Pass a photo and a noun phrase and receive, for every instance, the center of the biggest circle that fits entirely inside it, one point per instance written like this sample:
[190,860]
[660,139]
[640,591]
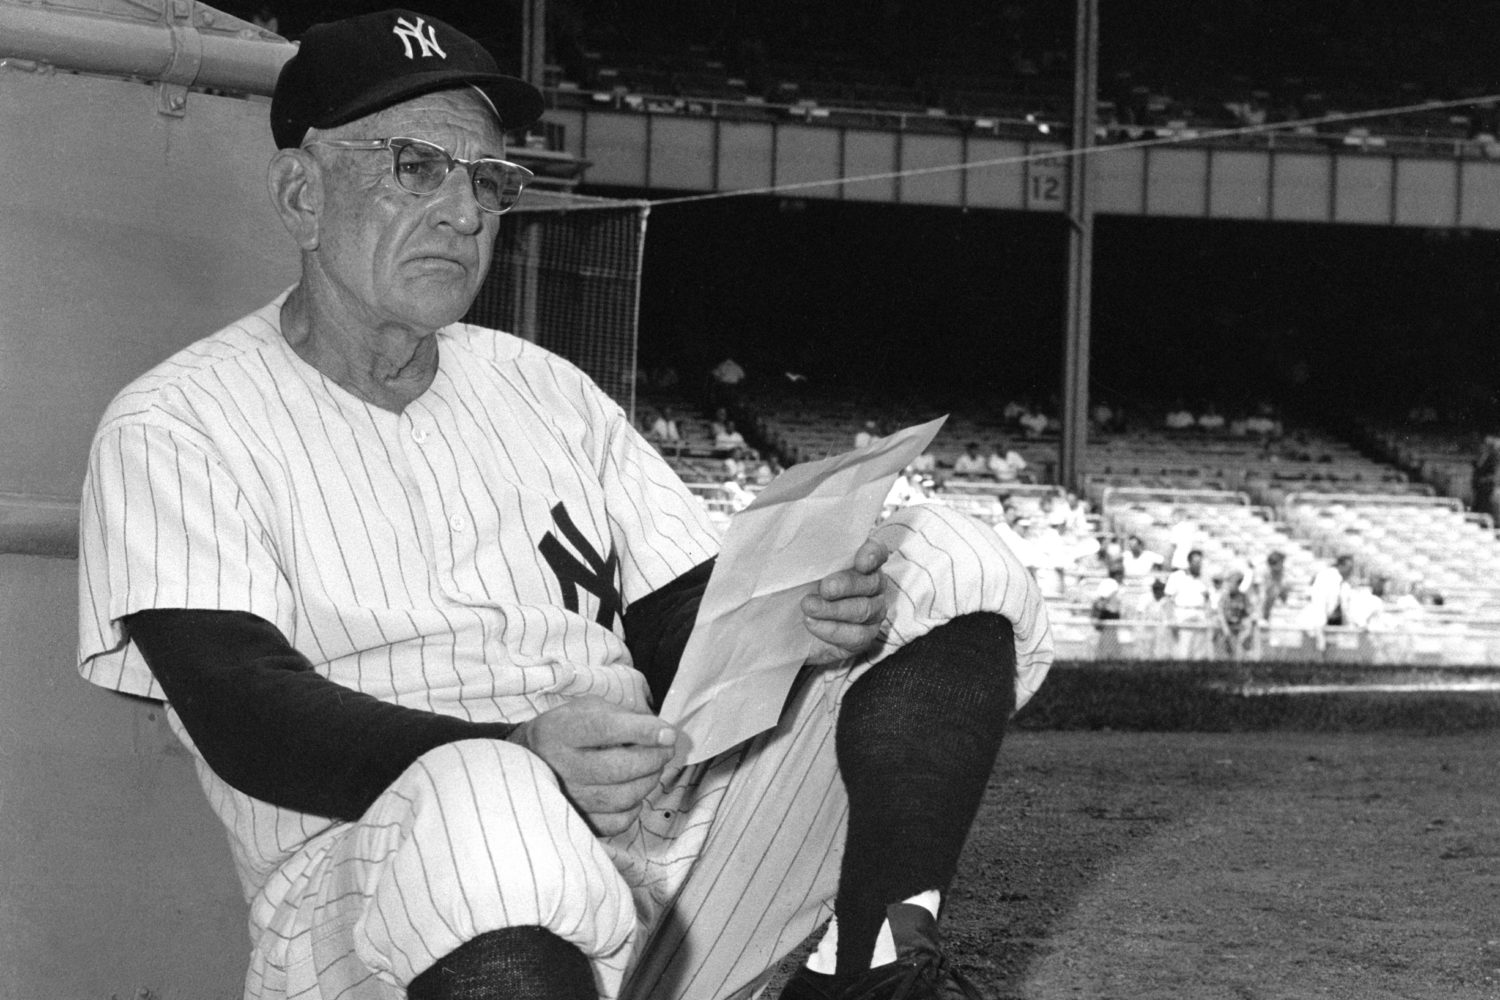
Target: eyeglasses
[421,168]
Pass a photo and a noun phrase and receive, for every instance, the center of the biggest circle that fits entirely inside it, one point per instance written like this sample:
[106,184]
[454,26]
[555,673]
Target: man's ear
[295,181]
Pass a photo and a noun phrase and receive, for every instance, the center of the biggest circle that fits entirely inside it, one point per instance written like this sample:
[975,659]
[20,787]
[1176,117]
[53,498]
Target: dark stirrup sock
[917,738]
[513,963]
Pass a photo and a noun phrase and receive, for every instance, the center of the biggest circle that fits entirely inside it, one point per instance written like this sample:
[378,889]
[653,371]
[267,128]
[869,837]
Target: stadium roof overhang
[182,46]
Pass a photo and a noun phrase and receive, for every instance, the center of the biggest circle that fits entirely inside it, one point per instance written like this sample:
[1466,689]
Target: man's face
[1195,563]
[398,258]
[1137,546]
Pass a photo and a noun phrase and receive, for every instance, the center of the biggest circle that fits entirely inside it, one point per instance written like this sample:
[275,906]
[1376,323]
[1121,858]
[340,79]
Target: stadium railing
[1417,645]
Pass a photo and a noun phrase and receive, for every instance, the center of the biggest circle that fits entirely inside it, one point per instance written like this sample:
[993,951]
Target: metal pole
[1075,387]
[534,42]
[226,53]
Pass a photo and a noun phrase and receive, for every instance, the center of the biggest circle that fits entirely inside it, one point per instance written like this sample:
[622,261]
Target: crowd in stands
[1247,537]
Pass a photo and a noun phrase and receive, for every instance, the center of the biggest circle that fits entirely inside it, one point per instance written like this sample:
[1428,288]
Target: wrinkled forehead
[460,119]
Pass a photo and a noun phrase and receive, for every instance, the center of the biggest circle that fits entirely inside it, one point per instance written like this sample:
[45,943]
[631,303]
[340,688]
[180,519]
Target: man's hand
[608,758]
[849,608]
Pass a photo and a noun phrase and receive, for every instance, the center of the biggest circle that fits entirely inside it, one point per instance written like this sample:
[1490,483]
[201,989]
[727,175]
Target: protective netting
[567,275]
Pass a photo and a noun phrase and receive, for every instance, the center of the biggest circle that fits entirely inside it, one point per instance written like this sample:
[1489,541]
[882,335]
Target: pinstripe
[510,795]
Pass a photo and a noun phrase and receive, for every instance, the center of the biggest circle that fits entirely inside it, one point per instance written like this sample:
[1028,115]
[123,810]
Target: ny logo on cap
[408,33]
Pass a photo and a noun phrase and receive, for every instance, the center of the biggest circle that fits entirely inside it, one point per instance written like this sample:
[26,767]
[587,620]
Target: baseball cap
[347,69]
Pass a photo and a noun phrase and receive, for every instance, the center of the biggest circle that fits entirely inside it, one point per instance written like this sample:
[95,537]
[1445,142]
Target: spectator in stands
[1138,561]
[1055,512]
[728,373]
[766,470]
[1013,412]
[1006,526]
[1328,597]
[1263,423]
[1486,475]
[925,464]
[1366,606]
[1190,594]
[735,492]
[1102,417]
[664,431]
[1270,587]
[1329,593]
[971,464]
[869,432]
[1034,422]
[1005,463]
[1210,421]
[1042,555]
[1236,627]
[1181,418]
[1182,536]
[1157,619]
[728,439]
[1106,605]
[724,382]
[906,489]
[1076,514]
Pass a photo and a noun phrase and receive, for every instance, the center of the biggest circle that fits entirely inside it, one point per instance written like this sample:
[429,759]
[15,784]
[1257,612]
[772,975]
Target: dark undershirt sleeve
[274,728]
[658,625]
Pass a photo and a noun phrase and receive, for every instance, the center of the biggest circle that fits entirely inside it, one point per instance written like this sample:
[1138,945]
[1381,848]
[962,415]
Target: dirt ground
[1246,866]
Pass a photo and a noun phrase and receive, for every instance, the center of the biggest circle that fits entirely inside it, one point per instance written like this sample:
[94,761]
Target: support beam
[534,42]
[226,53]
[1075,378]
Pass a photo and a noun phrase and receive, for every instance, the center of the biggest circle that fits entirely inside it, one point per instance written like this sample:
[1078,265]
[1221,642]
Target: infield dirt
[1243,865]
[1235,865]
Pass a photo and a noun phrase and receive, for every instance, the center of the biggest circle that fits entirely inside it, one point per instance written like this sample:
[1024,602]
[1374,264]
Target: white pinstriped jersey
[468,556]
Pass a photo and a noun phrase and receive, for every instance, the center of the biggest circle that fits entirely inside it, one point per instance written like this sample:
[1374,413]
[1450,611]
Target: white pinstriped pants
[733,864]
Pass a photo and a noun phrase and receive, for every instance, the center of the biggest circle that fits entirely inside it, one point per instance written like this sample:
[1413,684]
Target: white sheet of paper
[750,640]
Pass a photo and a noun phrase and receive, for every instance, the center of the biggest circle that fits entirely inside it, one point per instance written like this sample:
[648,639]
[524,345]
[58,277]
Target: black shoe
[920,972]
[806,984]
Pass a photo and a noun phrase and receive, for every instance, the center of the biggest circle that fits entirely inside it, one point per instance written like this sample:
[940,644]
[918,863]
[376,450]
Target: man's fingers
[843,635]
[590,730]
[848,583]
[871,556]
[613,798]
[614,766]
[853,610]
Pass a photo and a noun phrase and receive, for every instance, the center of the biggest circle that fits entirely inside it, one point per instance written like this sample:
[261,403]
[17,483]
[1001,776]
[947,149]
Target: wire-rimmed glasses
[421,167]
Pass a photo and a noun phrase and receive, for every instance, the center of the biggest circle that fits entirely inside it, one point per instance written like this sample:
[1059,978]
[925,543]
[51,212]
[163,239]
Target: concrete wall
[125,233]
[115,877]
[1286,183]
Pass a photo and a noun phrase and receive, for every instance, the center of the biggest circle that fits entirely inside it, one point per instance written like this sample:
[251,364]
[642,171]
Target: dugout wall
[135,221]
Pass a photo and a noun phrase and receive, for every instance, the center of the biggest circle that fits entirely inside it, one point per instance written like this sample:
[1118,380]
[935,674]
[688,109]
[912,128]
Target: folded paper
[750,638]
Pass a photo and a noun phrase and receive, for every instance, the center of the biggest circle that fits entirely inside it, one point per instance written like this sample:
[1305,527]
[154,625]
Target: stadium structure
[137,221]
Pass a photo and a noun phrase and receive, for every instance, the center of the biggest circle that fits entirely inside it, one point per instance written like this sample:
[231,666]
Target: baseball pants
[733,863]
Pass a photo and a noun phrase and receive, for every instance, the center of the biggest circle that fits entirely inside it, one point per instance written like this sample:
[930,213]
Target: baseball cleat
[920,972]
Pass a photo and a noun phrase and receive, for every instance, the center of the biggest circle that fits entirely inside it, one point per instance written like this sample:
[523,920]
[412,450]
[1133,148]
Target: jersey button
[457,523]
[419,435]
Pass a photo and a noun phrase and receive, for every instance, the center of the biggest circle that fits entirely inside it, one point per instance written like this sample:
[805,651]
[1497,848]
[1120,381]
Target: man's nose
[456,203]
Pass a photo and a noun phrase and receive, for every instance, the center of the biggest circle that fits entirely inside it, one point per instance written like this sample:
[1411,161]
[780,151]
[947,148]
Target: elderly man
[410,588]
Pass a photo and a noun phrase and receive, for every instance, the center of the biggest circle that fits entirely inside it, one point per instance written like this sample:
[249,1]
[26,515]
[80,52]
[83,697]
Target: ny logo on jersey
[593,574]
[408,33]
